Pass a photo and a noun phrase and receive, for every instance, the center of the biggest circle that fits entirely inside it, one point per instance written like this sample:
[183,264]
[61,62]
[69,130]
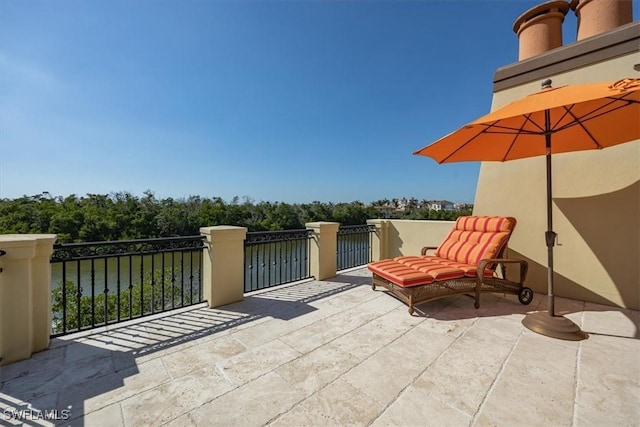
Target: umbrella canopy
[580,117]
[553,120]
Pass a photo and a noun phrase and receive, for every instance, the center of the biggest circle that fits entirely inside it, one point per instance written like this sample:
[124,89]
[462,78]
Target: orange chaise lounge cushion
[413,271]
[474,238]
[399,273]
[443,268]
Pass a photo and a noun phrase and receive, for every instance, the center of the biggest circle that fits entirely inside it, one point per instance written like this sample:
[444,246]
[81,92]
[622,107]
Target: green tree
[122,216]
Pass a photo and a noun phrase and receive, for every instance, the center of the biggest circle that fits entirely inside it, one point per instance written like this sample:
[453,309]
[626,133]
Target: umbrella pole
[550,235]
[548,323]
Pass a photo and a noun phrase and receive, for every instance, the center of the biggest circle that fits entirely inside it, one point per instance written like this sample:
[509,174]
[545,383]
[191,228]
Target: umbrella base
[559,327]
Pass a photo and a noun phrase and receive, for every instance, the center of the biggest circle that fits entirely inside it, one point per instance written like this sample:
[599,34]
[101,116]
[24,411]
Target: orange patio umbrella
[553,120]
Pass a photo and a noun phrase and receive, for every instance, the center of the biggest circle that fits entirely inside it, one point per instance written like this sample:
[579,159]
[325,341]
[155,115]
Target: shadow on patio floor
[52,386]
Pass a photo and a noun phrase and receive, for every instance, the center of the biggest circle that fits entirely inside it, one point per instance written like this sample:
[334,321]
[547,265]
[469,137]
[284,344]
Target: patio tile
[418,407]
[420,347]
[88,349]
[312,336]
[222,347]
[453,328]
[362,342]
[594,413]
[60,376]
[172,399]
[264,332]
[94,394]
[338,404]
[608,378]
[253,404]
[251,364]
[539,380]
[360,314]
[377,378]
[357,295]
[45,362]
[202,355]
[383,302]
[605,320]
[386,373]
[108,416]
[316,369]
[375,334]
[464,373]
[397,321]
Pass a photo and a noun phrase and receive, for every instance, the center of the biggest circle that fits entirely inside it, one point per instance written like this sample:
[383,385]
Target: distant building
[463,206]
[440,205]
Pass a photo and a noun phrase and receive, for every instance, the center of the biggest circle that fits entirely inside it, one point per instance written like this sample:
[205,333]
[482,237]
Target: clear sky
[290,101]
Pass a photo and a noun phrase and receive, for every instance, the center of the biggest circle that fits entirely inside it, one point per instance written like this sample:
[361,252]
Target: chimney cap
[541,9]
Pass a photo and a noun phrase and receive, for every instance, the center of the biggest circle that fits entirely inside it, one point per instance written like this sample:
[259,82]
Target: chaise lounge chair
[464,263]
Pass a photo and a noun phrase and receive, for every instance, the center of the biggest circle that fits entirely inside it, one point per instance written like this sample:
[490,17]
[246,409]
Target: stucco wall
[407,237]
[596,206]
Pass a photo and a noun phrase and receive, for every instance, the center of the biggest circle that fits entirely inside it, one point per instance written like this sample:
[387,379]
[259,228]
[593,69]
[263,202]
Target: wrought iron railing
[100,283]
[354,245]
[276,257]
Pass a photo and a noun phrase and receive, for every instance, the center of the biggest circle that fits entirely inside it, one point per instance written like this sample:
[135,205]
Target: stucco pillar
[25,295]
[223,264]
[379,240]
[323,249]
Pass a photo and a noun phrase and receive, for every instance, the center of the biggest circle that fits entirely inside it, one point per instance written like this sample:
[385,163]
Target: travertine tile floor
[335,352]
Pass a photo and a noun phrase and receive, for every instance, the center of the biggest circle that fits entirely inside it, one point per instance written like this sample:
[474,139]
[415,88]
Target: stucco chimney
[539,29]
[599,16]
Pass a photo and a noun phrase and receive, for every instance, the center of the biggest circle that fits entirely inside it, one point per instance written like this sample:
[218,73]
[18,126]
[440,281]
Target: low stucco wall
[408,237]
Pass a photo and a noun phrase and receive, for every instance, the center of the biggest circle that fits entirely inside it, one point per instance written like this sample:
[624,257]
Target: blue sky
[290,101]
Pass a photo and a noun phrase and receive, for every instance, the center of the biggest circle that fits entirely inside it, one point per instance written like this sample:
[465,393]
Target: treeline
[122,216]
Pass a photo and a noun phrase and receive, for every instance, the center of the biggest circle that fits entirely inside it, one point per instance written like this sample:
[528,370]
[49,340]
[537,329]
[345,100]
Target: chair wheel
[525,296]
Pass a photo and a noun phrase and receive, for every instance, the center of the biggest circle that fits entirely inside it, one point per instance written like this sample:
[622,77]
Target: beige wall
[407,237]
[596,206]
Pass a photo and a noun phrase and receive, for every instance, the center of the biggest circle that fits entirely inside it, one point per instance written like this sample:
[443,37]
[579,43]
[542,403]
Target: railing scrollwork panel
[100,283]
[276,257]
[354,245]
